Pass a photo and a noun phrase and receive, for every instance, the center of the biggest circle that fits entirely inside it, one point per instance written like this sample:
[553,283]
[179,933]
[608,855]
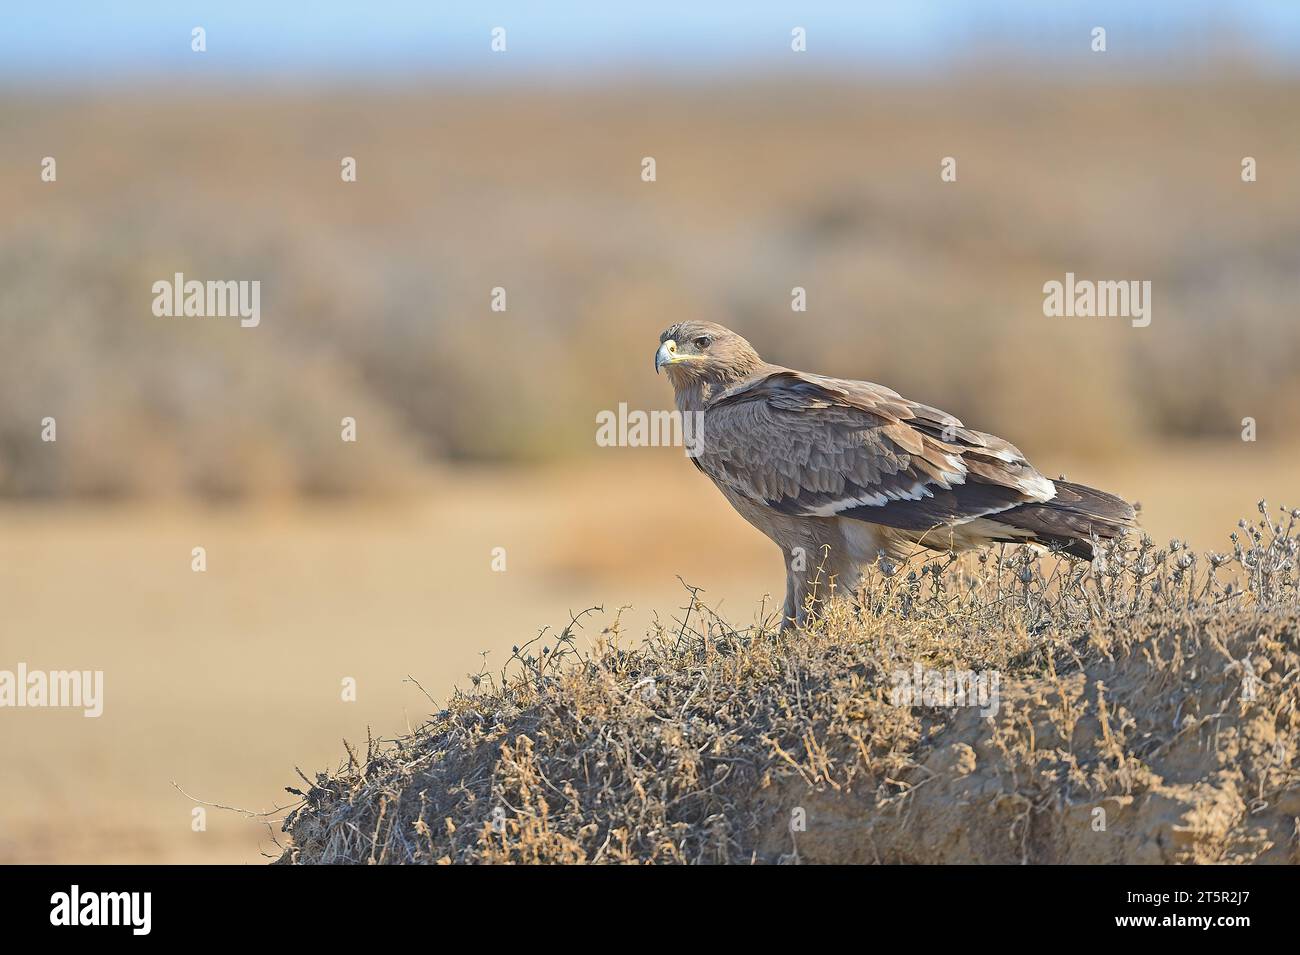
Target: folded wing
[821,447]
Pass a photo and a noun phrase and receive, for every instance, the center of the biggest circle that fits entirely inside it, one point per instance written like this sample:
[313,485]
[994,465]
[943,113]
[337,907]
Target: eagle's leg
[799,610]
[812,581]
[800,583]
[794,613]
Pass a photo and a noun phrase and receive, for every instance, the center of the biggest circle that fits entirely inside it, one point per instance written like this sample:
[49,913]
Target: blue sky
[53,42]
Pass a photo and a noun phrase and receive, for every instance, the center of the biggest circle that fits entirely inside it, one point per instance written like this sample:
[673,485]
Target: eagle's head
[704,353]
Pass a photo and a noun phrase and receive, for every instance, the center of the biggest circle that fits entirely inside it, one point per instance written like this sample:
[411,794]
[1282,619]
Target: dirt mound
[1149,753]
[1139,710]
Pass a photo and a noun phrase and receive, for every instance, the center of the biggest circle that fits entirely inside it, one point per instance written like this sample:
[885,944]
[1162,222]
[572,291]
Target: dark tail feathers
[1069,520]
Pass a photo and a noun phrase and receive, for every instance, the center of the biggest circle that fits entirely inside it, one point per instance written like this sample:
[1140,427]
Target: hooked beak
[666,355]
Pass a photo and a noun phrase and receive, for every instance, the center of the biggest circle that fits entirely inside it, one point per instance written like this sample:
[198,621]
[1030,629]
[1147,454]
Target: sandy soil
[224,681]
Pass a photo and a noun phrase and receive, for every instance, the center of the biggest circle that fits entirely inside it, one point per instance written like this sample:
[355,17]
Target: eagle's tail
[1072,517]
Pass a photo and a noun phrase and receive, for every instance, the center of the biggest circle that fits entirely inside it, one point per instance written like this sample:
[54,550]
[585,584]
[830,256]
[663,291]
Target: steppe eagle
[843,472]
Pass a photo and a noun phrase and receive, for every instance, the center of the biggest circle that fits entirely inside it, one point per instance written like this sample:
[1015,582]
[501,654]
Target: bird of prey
[839,473]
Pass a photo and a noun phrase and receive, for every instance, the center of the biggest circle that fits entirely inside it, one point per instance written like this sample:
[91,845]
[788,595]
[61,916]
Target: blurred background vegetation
[375,294]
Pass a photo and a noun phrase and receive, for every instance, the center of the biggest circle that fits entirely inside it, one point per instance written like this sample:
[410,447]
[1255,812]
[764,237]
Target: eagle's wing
[813,446]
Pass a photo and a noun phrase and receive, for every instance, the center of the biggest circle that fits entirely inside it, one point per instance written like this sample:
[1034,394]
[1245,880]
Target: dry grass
[1156,686]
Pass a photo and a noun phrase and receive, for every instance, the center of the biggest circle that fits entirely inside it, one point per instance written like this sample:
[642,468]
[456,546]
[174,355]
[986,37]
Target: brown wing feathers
[812,446]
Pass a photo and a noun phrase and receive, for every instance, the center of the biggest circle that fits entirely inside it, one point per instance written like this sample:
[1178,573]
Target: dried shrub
[1154,689]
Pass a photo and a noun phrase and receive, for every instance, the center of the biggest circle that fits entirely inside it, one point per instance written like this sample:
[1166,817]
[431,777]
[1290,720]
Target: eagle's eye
[704,341]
